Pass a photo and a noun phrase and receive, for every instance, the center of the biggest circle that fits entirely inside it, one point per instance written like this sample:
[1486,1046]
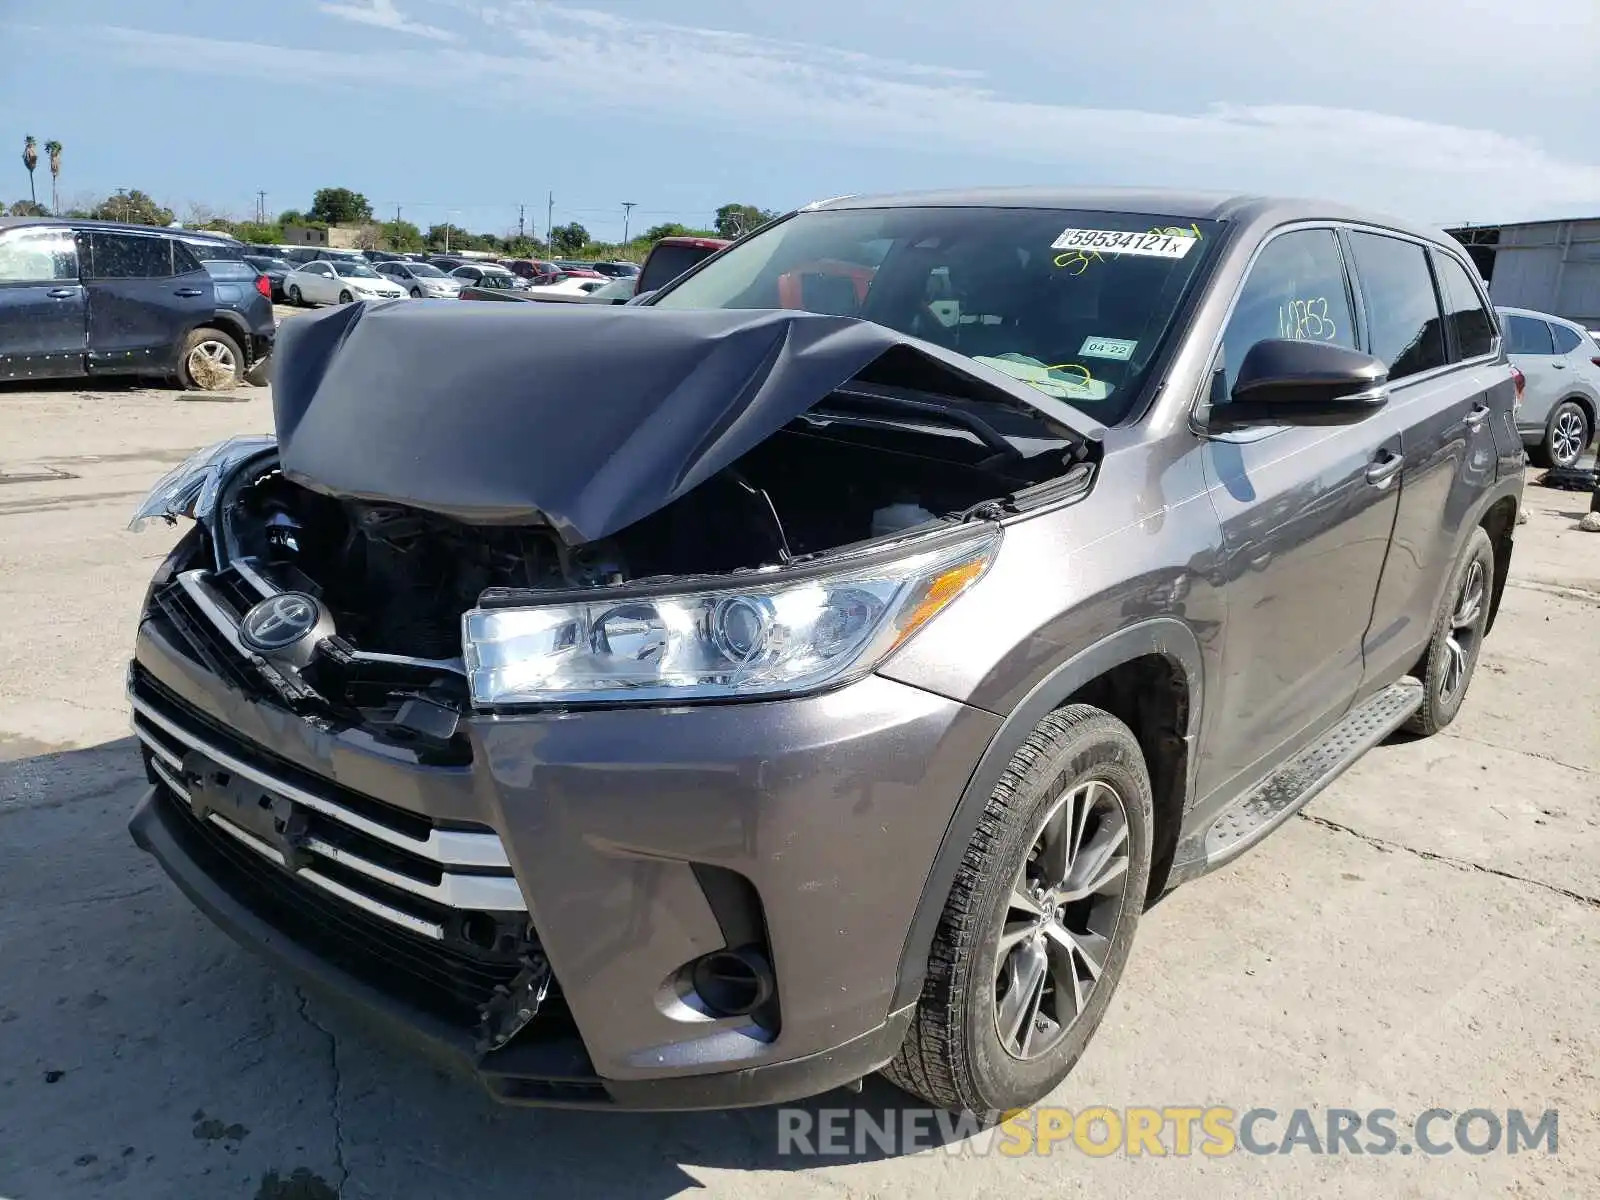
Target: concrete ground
[1426,935]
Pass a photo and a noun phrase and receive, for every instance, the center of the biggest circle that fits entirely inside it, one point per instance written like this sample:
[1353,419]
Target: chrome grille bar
[450,847]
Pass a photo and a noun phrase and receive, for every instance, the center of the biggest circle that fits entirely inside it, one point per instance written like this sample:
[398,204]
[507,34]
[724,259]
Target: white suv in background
[1561,363]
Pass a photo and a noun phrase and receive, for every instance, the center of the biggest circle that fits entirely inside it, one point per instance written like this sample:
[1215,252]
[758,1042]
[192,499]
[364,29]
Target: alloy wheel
[1567,438]
[1463,636]
[212,364]
[1060,919]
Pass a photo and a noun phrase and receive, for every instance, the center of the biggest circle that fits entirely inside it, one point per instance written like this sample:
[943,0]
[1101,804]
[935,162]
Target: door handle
[1559,366]
[1477,416]
[187,291]
[62,293]
[1385,467]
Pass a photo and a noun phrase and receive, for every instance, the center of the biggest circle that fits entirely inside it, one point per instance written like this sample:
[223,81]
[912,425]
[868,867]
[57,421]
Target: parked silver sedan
[1560,401]
[420,280]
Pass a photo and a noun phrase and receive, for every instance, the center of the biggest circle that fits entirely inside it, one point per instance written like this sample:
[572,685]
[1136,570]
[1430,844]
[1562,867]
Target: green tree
[134,207]
[53,149]
[291,216]
[736,220]
[569,239]
[30,159]
[401,235]
[27,208]
[670,229]
[256,233]
[340,206]
[440,236]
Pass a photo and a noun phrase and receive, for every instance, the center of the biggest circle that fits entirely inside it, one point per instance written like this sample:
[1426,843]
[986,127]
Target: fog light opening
[733,983]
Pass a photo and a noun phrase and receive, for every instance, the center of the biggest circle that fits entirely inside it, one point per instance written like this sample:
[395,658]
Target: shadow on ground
[143,1051]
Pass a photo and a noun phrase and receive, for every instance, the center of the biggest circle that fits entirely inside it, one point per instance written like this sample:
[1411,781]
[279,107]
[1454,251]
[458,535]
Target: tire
[416,293]
[1566,435]
[1458,628]
[295,298]
[953,1056]
[210,361]
[345,297]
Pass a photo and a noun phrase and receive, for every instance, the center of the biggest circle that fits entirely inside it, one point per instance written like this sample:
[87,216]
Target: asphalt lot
[1426,935]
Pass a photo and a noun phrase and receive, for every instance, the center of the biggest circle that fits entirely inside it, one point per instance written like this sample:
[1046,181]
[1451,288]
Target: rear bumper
[553,1073]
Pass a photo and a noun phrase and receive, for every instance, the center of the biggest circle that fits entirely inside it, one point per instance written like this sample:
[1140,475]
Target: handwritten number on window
[1306,319]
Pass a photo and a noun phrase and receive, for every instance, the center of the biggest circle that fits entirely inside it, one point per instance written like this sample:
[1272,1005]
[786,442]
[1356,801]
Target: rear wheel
[1457,638]
[210,361]
[295,298]
[1566,435]
[1039,921]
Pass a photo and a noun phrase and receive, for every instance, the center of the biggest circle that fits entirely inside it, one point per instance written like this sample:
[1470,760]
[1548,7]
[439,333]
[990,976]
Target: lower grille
[443,979]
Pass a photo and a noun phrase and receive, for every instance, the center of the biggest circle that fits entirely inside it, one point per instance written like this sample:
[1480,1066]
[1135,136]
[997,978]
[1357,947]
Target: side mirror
[1290,381]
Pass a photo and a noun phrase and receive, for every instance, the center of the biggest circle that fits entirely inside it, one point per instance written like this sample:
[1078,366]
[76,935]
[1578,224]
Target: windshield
[355,270]
[497,279]
[424,271]
[266,264]
[1072,303]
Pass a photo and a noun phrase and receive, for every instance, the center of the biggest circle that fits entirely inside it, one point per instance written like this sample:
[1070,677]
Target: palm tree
[53,149]
[30,159]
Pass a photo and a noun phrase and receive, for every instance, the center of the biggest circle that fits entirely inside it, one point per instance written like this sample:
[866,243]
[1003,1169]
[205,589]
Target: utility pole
[550,223]
[397,214]
[627,211]
[522,222]
[261,208]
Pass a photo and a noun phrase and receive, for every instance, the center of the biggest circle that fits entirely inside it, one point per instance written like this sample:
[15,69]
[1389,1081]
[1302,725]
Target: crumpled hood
[588,417]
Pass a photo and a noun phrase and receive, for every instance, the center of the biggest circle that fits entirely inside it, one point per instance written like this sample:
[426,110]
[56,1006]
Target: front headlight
[755,639]
[191,488]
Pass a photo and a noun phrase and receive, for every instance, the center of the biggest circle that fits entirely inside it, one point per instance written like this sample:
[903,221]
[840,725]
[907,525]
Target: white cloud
[384,15]
[548,55]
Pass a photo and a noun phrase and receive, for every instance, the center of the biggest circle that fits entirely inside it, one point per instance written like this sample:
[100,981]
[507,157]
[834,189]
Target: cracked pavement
[1425,934]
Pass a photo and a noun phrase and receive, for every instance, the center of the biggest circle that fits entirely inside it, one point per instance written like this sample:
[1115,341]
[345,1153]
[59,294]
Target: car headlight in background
[780,636]
[191,488]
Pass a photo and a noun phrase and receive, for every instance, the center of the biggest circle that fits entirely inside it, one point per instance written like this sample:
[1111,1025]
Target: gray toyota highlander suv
[817,669]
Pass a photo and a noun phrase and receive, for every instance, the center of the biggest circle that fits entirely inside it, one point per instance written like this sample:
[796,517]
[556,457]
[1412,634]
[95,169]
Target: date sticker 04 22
[1103,347]
[1114,241]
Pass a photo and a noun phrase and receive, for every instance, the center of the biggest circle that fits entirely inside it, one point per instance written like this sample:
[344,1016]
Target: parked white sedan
[338,282]
[420,279]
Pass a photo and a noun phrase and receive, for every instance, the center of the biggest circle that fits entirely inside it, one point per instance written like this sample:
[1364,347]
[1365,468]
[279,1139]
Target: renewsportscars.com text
[1169,1130]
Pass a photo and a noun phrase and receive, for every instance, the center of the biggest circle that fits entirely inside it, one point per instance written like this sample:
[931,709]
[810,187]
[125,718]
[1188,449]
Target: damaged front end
[494,512]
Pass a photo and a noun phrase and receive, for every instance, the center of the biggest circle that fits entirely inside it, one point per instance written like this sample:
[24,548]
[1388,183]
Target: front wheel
[1039,922]
[345,297]
[416,293]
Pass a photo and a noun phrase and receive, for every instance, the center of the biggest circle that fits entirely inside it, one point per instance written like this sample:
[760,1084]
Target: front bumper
[618,825]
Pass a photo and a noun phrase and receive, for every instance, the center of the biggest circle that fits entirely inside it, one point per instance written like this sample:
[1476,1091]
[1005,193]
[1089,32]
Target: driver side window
[1296,289]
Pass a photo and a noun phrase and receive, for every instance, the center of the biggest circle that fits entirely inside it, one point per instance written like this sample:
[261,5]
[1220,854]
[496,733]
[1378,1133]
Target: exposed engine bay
[397,579]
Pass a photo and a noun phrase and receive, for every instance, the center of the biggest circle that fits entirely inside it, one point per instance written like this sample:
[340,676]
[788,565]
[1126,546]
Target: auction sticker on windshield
[1114,241]
[1103,347]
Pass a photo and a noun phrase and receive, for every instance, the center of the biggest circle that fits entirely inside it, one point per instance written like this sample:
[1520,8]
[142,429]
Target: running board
[1291,787]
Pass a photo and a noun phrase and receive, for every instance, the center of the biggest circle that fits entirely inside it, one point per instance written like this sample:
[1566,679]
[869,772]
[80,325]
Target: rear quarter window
[1567,340]
[1468,320]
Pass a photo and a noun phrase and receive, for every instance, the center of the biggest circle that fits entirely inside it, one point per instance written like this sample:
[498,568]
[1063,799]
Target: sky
[1445,111]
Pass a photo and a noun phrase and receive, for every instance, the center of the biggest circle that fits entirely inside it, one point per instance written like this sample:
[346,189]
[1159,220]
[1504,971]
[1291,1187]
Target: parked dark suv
[709,702]
[99,298]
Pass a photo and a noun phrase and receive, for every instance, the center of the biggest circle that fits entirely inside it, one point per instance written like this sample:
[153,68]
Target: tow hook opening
[733,983]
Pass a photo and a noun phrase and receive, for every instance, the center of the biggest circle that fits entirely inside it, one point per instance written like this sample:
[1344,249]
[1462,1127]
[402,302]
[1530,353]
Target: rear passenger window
[1524,335]
[184,260]
[1407,332]
[1566,339]
[130,256]
[1296,289]
[1469,320]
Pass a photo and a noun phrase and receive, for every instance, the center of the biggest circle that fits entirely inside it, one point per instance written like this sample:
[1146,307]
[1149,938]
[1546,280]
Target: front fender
[1166,637]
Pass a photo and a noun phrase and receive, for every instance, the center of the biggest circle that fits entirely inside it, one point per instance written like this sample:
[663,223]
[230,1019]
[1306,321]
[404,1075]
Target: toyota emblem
[280,621]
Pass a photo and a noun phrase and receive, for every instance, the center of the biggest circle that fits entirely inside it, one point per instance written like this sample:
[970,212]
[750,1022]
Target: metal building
[1548,266]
